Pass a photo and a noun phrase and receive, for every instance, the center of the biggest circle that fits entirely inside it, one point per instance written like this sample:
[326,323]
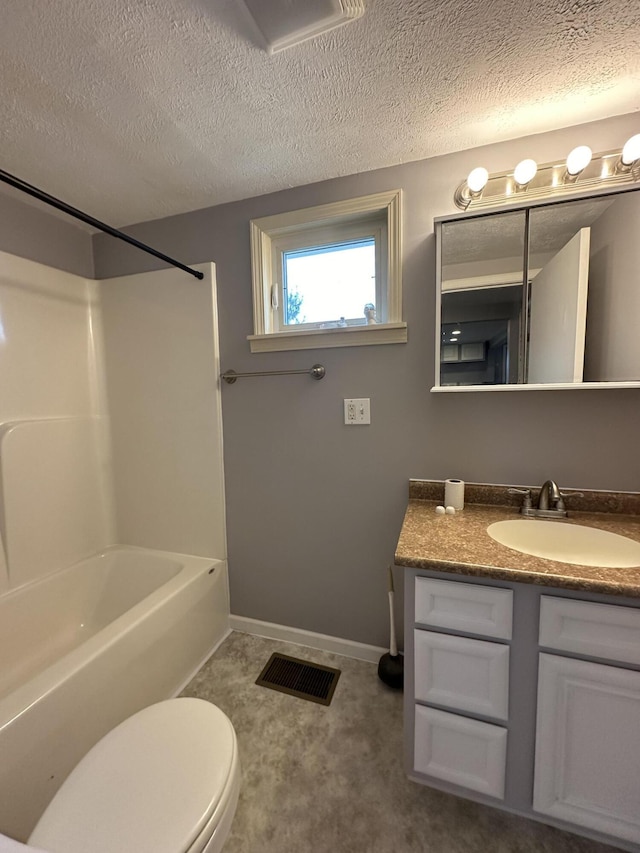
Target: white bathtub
[86,647]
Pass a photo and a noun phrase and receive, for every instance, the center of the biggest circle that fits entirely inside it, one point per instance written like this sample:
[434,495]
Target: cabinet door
[587,768]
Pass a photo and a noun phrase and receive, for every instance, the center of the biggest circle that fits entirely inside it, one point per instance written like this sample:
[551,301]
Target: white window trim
[266,232]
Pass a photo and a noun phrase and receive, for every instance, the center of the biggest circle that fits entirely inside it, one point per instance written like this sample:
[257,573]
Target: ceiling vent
[285,23]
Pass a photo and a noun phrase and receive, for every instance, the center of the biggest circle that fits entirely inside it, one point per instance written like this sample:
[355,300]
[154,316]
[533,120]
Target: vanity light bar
[590,171]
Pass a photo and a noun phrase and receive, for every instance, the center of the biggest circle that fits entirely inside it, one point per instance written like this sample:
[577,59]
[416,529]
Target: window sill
[354,336]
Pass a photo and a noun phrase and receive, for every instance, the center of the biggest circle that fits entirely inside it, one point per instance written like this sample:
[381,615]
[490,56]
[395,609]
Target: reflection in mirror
[585,302]
[575,320]
[481,300]
[481,336]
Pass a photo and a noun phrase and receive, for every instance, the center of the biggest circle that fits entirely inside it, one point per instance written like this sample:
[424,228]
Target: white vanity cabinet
[587,757]
[526,698]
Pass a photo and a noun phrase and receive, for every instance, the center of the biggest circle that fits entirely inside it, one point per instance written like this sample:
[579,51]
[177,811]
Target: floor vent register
[299,678]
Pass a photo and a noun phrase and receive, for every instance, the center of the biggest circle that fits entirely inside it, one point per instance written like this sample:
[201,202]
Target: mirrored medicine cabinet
[541,296]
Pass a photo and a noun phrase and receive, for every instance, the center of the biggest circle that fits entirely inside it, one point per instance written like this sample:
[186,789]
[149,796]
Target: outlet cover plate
[357,411]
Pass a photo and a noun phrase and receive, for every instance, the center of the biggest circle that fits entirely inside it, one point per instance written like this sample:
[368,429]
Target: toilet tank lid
[151,784]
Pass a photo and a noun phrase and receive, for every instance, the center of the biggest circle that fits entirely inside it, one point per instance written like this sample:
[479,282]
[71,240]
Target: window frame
[326,224]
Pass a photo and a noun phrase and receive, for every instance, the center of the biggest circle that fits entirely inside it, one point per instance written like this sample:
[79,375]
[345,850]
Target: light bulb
[477,179]
[524,172]
[578,159]
[631,150]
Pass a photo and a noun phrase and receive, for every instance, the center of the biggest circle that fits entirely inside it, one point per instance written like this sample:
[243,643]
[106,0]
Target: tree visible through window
[294,305]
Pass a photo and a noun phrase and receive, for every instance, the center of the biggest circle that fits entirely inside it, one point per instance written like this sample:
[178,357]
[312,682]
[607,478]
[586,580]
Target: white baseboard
[272,631]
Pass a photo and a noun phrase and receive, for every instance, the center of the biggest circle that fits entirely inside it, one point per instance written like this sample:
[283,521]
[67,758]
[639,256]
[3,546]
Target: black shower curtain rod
[19,184]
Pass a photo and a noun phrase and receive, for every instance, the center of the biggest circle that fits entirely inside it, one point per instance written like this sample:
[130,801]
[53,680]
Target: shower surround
[101,443]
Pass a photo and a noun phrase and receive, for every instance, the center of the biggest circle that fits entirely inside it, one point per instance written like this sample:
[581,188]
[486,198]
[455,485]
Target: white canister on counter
[454,494]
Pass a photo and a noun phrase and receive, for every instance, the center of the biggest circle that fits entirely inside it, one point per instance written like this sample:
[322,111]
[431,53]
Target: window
[322,283]
[328,276]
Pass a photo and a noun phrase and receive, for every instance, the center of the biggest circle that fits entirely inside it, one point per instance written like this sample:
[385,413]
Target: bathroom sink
[567,543]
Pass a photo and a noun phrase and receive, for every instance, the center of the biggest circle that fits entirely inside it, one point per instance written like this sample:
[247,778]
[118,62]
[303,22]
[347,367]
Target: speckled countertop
[460,544]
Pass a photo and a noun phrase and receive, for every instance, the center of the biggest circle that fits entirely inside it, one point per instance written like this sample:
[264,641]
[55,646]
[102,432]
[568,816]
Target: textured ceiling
[136,109]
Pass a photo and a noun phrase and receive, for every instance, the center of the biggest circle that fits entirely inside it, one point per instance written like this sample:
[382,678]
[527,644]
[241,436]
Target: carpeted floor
[320,779]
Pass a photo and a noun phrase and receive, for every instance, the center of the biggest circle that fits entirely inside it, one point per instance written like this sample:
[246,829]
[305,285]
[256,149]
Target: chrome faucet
[550,501]
[550,493]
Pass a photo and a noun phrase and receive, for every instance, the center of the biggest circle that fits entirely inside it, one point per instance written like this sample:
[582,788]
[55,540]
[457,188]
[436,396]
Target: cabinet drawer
[462,674]
[585,627]
[464,752]
[467,607]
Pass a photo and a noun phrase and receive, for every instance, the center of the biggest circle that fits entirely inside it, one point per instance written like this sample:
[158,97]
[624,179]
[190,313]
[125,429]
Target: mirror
[481,300]
[563,313]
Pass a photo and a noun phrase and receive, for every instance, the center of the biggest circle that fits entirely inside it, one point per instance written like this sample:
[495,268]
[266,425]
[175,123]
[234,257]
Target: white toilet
[164,781]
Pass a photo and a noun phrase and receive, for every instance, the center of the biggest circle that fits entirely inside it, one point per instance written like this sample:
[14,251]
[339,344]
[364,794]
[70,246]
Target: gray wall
[30,232]
[314,508]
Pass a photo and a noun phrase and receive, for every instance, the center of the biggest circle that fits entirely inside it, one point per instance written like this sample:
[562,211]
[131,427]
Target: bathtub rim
[11,592]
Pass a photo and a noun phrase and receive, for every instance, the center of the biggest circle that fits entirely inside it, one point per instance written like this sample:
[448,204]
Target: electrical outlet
[357,411]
